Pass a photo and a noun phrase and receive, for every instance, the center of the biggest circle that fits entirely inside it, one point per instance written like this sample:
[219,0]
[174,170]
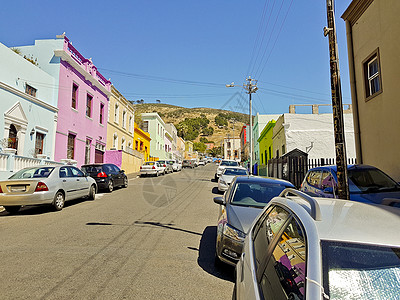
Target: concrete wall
[378,27]
[124,160]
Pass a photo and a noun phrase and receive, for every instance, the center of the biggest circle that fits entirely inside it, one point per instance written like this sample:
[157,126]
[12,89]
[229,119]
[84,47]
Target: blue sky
[183,52]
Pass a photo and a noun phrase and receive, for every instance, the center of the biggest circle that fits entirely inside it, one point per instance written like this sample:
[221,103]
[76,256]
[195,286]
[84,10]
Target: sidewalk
[133,175]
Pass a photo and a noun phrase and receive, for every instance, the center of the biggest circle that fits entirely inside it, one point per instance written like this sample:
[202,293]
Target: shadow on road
[207,254]
[215,191]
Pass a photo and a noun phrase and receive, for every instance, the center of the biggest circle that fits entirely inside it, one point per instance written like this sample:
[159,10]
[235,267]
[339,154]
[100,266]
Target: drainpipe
[354,97]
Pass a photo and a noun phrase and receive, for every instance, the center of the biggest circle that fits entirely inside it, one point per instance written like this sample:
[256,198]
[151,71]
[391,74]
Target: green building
[265,147]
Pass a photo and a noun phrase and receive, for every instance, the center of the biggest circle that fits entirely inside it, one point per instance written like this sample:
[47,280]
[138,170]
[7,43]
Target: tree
[199,147]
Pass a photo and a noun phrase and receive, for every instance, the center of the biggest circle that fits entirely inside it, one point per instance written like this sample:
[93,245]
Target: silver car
[45,185]
[151,168]
[240,205]
[317,248]
[227,176]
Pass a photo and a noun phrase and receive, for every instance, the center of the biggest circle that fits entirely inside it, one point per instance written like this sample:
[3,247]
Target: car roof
[259,179]
[350,221]
[349,167]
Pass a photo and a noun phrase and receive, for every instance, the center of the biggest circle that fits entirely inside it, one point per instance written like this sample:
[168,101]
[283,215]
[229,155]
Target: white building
[232,149]
[311,133]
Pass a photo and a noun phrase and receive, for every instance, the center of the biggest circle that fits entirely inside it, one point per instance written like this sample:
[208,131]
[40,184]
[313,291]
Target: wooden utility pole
[337,105]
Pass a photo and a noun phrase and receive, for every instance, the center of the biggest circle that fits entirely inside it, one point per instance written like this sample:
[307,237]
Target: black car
[107,176]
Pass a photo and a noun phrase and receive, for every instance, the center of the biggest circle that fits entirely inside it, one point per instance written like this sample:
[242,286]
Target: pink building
[83,97]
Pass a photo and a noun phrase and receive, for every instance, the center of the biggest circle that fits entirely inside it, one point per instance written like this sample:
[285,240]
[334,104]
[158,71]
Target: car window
[149,163]
[115,169]
[35,172]
[92,169]
[370,180]
[327,180]
[285,272]
[265,230]
[364,271]
[235,172]
[75,172]
[313,178]
[65,172]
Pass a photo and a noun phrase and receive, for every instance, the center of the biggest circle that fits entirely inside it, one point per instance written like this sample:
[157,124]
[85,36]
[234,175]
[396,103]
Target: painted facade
[232,149]
[189,150]
[180,148]
[260,121]
[312,134]
[265,143]
[29,117]
[373,45]
[82,100]
[168,145]
[142,142]
[153,124]
[244,142]
[171,129]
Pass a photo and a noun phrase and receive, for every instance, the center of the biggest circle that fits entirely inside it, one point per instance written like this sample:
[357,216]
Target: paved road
[153,240]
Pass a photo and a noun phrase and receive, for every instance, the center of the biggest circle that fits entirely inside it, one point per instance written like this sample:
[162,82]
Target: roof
[351,221]
[349,167]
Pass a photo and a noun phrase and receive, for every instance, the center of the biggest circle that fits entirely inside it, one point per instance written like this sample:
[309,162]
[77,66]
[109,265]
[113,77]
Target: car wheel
[12,209]
[110,186]
[59,201]
[92,192]
[125,182]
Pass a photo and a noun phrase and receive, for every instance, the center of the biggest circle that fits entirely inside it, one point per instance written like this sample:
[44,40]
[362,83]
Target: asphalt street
[152,240]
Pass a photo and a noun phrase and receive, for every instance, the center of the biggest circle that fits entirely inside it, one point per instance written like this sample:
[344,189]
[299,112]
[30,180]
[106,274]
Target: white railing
[3,161]
[23,162]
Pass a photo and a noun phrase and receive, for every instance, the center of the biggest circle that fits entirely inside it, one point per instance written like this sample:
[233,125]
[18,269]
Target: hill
[177,116]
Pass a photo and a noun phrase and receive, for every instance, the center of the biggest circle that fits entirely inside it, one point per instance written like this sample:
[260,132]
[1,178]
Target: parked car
[151,168]
[240,205]
[176,165]
[225,163]
[366,183]
[227,176]
[195,162]
[187,163]
[317,248]
[167,168]
[45,185]
[202,163]
[107,176]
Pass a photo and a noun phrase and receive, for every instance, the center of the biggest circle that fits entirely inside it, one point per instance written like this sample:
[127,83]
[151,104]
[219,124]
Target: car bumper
[30,199]
[229,250]
[148,172]
[102,183]
[222,187]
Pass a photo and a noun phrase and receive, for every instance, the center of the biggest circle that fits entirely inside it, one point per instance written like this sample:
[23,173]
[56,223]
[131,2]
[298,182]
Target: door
[68,182]
[80,181]
[98,156]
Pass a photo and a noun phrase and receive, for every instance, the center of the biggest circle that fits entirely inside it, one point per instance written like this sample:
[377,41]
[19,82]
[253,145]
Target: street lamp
[250,87]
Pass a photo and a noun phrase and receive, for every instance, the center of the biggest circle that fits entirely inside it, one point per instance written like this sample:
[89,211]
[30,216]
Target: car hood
[374,197]
[241,217]
[227,178]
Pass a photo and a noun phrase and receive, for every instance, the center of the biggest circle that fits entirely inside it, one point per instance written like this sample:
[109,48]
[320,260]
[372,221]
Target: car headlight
[234,233]
[222,181]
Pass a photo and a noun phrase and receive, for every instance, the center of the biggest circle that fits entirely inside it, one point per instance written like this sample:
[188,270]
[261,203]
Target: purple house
[82,100]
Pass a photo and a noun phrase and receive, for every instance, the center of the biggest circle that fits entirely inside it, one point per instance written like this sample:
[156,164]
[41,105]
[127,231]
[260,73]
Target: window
[87,151]
[285,271]
[30,90]
[75,172]
[89,99]
[141,146]
[12,137]
[136,145]
[123,143]
[116,113]
[262,160]
[313,178]
[145,126]
[130,123]
[71,146]
[74,96]
[101,113]
[372,74]
[39,143]
[115,141]
[124,119]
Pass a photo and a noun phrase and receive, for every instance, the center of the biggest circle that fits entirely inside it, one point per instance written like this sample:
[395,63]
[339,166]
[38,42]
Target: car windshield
[255,194]
[355,271]
[36,172]
[229,163]
[370,181]
[234,172]
[149,163]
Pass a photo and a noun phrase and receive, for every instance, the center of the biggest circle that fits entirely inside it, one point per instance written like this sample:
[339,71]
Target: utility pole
[337,105]
[250,87]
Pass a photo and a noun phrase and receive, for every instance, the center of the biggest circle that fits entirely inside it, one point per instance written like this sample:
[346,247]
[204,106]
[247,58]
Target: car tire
[92,192]
[59,201]
[12,209]
[125,185]
[110,186]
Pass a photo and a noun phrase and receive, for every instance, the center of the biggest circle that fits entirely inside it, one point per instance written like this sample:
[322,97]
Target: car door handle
[64,180]
[77,180]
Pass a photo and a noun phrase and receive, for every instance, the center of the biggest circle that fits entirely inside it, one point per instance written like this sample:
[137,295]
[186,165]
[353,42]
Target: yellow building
[373,28]
[120,134]
[142,142]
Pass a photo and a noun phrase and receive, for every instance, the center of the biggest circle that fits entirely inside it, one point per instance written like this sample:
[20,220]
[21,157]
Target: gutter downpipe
[354,97]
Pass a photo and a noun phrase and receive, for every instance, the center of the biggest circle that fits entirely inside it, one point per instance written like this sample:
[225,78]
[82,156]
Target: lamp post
[251,87]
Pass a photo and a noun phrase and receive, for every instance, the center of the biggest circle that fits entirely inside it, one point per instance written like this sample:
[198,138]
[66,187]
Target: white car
[176,165]
[319,248]
[227,176]
[201,163]
[225,163]
[151,168]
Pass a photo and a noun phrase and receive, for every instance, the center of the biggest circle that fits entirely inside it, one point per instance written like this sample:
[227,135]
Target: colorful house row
[57,106]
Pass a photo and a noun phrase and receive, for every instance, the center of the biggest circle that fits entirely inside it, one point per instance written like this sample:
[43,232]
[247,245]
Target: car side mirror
[219,200]
[122,171]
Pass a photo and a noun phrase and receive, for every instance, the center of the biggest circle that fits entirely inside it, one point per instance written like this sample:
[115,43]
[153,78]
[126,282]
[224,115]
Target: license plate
[18,188]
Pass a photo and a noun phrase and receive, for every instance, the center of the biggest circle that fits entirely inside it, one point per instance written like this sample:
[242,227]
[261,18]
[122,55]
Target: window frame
[39,143]
[367,79]
[89,104]
[71,148]
[101,114]
[30,90]
[74,96]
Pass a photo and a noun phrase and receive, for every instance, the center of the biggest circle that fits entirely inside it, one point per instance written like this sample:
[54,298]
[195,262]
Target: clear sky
[183,52]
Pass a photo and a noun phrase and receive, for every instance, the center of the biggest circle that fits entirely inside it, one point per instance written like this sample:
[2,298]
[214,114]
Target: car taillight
[41,186]
[164,166]
[153,167]
[140,167]
[102,174]
[1,189]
